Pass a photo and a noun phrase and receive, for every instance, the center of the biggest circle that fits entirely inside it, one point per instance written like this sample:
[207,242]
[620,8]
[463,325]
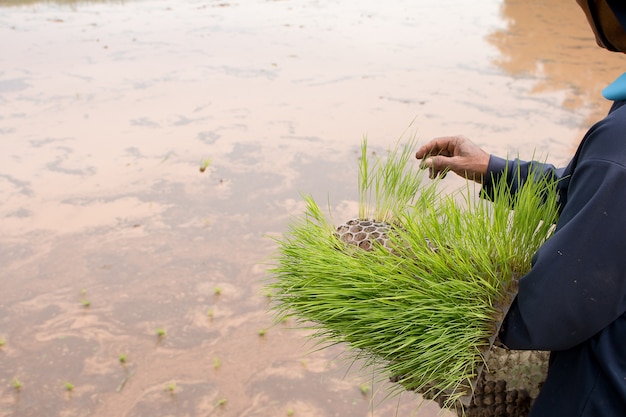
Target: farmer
[573,300]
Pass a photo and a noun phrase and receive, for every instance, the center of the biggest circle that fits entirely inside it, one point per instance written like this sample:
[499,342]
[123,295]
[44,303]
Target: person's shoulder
[606,140]
[615,119]
[617,114]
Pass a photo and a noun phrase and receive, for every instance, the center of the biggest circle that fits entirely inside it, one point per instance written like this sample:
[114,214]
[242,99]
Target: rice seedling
[86,303]
[221,402]
[217,363]
[290,412]
[171,388]
[417,285]
[2,342]
[69,387]
[122,358]
[204,164]
[161,333]
[262,332]
[17,384]
[217,291]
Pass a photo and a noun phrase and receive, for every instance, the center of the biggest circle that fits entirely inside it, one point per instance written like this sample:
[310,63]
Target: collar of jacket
[616,91]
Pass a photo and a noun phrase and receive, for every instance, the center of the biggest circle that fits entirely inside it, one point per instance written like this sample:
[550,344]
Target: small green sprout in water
[122,358]
[290,412]
[2,342]
[210,313]
[86,303]
[17,384]
[171,387]
[69,387]
[221,402]
[205,164]
[217,362]
[160,332]
[365,389]
[262,332]
[218,290]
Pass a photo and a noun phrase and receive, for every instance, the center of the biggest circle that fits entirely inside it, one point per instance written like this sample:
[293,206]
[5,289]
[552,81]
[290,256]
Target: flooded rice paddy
[110,233]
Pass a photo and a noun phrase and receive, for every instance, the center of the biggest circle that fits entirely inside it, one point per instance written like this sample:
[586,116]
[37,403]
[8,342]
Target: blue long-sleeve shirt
[573,300]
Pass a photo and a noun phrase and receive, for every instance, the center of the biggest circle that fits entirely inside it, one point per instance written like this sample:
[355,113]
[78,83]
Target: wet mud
[110,232]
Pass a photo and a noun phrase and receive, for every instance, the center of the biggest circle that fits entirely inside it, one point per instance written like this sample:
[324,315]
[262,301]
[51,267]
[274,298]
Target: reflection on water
[552,43]
[109,231]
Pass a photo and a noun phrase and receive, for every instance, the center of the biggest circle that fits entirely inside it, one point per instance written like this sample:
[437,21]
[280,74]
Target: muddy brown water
[109,231]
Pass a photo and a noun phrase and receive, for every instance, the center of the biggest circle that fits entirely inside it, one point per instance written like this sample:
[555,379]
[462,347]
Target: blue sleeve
[515,171]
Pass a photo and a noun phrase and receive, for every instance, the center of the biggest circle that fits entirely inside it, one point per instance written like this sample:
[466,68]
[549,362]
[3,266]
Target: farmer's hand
[454,153]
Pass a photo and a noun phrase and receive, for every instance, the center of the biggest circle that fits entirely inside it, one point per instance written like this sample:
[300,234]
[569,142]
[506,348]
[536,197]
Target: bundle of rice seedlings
[418,283]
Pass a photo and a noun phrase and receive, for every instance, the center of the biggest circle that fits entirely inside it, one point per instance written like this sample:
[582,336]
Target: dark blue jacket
[573,301]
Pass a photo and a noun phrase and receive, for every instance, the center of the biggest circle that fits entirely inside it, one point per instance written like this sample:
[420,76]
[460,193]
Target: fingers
[445,145]
[424,150]
[438,154]
[438,166]
[453,153]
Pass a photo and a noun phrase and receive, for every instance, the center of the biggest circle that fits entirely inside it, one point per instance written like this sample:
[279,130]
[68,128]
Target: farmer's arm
[577,284]
[515,172]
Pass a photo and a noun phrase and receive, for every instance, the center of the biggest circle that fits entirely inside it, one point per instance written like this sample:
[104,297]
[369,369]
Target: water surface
[109,108]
